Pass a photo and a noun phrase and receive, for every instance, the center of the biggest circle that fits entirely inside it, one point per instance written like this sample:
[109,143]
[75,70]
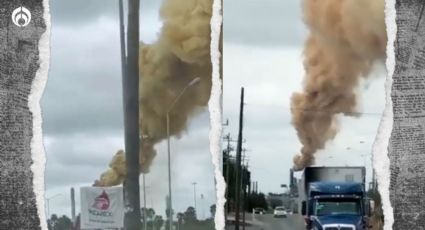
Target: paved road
[268,222]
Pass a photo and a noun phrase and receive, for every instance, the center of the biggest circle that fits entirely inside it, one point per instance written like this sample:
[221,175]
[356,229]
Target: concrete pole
[238,162]
[144,204]
[73,205]
[131,118]
[194,199]
[170,223]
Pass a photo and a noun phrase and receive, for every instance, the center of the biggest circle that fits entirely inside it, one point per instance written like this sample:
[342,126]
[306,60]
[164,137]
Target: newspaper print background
[406,147]
[19,62]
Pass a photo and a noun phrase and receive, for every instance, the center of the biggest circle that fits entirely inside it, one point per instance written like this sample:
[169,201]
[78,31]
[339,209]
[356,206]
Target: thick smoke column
[181,54]
[346,37]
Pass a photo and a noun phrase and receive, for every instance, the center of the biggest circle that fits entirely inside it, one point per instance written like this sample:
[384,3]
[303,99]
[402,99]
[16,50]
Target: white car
[258,211]
[280,212]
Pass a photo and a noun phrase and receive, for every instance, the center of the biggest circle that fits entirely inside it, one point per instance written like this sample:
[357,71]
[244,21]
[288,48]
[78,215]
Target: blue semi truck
[334,198]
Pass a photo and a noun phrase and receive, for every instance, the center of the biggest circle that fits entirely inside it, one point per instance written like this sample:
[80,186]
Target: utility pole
[130,82]
[122,41]
[244,196]
[238,162]
[194,198]
[245,163]
[243,180]
[242,188]
[202,206]
[73,205]
[227,158]
[145,226]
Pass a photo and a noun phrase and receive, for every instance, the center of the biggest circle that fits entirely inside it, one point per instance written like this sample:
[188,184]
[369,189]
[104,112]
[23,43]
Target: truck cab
[330,203]
[336,206]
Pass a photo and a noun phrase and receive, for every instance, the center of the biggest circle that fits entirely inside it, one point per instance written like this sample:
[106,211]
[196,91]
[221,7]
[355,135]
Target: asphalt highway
[268,222]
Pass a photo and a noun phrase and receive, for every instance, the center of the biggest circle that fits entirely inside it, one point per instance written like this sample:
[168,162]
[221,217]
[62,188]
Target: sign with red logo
[102,207]
[101,202]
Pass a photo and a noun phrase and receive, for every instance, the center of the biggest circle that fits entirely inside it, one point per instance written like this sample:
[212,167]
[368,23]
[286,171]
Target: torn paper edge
[380,158]
[38,154]
[214,106]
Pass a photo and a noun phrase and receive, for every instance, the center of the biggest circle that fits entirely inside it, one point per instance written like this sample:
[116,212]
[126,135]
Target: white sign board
[102,207]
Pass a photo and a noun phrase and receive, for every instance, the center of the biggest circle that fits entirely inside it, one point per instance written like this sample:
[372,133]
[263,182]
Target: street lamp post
[191,83]
[48,203]
[202,206]
[149,199]
[144,203]
[285,198]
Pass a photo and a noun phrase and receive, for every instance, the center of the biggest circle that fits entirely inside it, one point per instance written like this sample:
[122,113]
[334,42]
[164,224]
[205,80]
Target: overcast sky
[263,41]
[82,111]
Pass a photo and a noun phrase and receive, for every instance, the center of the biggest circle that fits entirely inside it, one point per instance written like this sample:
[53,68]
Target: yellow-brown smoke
[346,37]
[181,54]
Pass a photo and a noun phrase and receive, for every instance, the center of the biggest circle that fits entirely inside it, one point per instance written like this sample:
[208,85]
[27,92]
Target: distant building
[275,199]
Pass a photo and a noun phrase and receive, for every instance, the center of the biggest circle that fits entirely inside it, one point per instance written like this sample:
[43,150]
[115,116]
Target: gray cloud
[80,12]
[83,91]
[263,22]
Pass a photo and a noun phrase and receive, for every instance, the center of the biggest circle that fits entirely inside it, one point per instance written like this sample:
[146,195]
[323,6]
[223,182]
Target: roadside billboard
[102,207]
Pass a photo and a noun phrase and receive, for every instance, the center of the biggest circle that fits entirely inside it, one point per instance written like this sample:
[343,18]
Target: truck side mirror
[303,208]
[366,208]
[369,211]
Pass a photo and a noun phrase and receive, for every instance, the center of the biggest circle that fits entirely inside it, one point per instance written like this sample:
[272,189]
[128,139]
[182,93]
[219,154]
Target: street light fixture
[191,83]
[48,203]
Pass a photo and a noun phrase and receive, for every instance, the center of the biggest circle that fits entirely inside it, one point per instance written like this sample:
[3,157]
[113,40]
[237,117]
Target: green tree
[229,171]
[62,223]
[256,200]
[150,214]
[190,215]
[274,202]
[159,222]
[213,210]
[180,218]
[167,213]
[52,222]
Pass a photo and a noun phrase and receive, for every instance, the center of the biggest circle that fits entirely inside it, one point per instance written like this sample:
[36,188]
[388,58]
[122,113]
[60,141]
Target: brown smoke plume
[181,54]
[346,37]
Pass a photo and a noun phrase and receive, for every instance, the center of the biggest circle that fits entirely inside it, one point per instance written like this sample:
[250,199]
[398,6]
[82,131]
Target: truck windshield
[337,206]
